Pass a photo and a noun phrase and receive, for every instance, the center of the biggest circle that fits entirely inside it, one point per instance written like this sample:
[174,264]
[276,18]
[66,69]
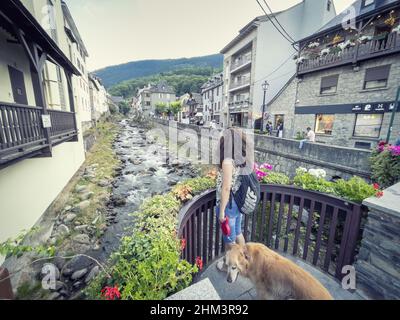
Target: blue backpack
[247,197]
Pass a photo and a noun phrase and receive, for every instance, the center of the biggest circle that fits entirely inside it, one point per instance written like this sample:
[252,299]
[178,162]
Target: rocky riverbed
[146,170]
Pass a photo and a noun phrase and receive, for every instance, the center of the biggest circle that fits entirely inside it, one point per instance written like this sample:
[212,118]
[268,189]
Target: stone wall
[305,92]
[285,154]
[378,262]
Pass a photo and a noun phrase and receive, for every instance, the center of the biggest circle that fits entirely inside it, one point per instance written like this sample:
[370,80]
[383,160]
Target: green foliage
[307,181]
[124,107]
[385,168]
[183,80]
[161,108]
[113,109]
[175,107]
[276,178]
[14,247]
[147,265]
[355,189]
[137,69]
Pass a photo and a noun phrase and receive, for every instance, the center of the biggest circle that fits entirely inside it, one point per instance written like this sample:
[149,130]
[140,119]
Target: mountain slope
[137,69]
[183,80]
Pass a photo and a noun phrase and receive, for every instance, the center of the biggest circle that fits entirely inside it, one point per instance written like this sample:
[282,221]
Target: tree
[124,107]
[175,107]
[161,108]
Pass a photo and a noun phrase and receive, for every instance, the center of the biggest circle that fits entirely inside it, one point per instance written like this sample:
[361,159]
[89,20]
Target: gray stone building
[153,94]
[346,82]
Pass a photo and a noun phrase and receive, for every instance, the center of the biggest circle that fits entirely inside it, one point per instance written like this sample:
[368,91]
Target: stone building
[260,52]
[347,82]
[212,94]
[153,94]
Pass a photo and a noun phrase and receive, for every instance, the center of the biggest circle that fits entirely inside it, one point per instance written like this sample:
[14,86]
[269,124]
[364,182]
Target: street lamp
[265,87]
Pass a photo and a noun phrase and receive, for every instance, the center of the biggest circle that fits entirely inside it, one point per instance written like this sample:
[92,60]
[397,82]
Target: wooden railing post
[71,100]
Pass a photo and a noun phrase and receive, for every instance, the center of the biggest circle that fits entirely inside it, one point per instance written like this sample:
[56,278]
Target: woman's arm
[227,171]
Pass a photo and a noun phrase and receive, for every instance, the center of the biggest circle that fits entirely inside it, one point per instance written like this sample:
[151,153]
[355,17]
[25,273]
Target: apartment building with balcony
[78,55]
[260,53]
[41,145]
[347,79]
[212,99]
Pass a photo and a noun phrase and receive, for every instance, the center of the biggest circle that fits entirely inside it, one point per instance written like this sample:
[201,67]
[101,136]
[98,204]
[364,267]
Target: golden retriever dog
[274,277]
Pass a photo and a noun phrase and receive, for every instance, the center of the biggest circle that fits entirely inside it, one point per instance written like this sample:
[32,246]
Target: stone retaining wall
[285,154]
[378,262]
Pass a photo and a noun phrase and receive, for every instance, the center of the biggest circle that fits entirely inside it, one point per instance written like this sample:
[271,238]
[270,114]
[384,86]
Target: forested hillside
[137,69]
[184,80]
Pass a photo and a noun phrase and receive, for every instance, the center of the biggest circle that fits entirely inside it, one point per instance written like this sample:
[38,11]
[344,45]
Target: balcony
[238,106]
[22,134]
[241,64]
[359,52]
[240,84]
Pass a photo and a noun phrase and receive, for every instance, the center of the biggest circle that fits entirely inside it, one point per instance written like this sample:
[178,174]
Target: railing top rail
[11,104]
[60,111]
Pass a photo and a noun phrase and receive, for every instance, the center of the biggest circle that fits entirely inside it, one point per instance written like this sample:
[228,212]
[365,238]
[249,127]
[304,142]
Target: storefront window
[368,125]
[324,123]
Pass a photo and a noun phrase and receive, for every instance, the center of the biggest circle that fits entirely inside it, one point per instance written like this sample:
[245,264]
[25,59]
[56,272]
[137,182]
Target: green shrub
[307,181]
[276,178]
[385,168]
[147,265]
[355,189]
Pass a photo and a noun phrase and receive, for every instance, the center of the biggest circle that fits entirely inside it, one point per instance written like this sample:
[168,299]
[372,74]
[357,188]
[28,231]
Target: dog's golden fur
[274,276]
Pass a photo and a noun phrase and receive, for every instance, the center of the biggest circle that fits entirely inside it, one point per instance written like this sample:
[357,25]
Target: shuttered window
[329,84]
[377,77]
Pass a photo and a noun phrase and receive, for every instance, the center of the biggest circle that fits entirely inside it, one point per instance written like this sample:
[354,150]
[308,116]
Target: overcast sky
[119,31]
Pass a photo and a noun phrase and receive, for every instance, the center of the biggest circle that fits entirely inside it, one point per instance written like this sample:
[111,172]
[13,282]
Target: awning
[199,114]
[14,13]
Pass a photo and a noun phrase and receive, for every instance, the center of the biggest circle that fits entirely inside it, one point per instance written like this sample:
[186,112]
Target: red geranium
[199,263]
[111,293]
[376,186]
[379,194]
[183,244]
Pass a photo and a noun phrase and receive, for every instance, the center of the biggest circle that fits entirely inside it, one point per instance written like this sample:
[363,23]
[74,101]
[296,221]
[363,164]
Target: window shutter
[377,73]
[330,81]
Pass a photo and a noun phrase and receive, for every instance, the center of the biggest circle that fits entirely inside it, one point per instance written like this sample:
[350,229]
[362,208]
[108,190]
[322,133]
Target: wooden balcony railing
[22,134]
[320,229]
[359,52]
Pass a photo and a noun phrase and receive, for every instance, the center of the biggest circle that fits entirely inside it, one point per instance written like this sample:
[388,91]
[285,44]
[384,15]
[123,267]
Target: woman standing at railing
[236,159]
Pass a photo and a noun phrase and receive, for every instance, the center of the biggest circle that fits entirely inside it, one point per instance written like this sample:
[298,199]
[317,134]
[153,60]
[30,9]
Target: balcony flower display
[347,44]
[324,52]
[300,60]
[364,39]
[337,39]
[313,45]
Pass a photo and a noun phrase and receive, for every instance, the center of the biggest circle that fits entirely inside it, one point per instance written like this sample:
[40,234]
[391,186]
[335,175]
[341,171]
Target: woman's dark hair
[234,145]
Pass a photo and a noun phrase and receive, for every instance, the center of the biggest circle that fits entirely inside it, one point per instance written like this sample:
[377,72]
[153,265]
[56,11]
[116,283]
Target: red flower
[376,186]
[379,194]
[199,263]
[183,244]
[111,293]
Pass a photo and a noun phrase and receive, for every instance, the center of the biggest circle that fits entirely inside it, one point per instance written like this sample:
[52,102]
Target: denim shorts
[235,222]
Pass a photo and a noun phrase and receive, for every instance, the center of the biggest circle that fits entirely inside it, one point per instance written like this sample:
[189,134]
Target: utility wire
[278,68]
[273,14]
[272,21]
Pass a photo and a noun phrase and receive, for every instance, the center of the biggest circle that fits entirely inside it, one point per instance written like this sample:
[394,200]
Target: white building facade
[212,97]
[259,53]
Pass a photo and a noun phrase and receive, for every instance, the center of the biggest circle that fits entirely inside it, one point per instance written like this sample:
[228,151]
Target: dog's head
[237,261]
